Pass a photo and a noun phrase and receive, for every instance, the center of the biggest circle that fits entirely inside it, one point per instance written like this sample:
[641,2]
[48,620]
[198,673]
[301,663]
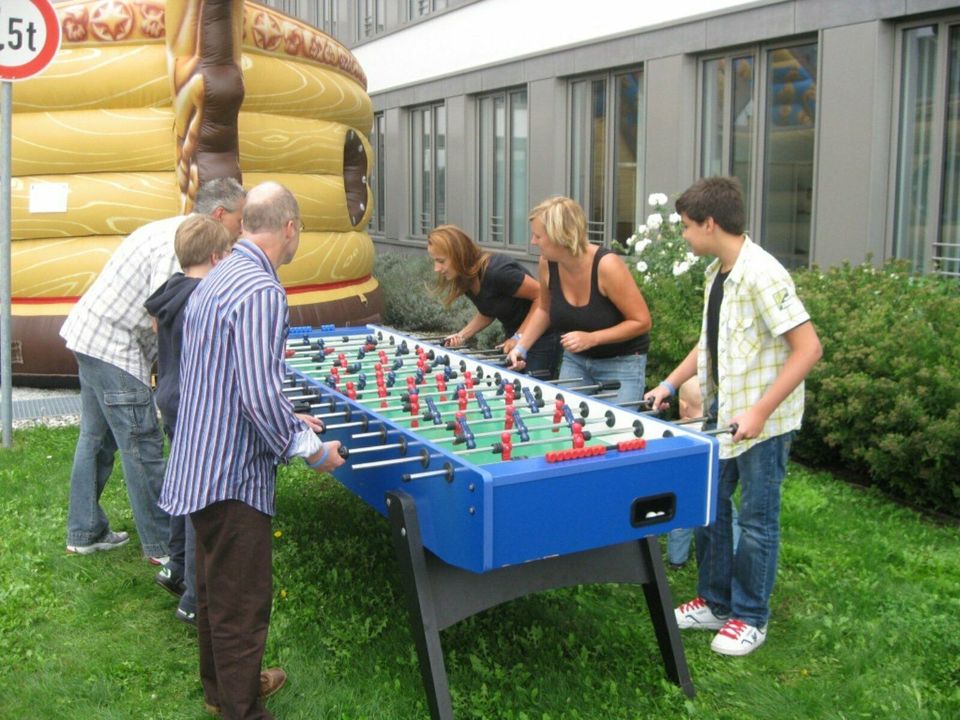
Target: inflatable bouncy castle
[146,100]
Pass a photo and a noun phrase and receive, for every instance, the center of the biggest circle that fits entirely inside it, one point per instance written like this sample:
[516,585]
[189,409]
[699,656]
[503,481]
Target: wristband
[520,350]
[516,336]
[323,458]
[669,386]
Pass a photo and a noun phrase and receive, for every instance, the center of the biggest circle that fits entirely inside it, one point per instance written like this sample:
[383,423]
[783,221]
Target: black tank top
[598,314]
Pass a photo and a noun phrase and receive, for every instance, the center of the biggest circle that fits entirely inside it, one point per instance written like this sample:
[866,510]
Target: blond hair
[199,237]
[564,222]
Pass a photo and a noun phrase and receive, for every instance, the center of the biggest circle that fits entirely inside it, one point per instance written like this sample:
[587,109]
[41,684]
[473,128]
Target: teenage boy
[756,346]
[200,243]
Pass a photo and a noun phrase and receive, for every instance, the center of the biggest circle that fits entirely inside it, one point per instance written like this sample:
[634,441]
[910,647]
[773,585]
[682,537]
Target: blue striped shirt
[235,424]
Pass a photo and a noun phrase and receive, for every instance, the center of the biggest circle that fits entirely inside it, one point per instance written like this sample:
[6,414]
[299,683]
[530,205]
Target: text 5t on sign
[29,37]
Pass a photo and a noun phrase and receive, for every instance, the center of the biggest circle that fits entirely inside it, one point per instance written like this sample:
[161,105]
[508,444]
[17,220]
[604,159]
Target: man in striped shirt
[235,425]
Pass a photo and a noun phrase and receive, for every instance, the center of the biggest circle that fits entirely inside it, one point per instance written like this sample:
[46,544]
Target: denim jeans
[628,370]
[544,356]
[678,541]
[740,583]
[183,550]
[116,412]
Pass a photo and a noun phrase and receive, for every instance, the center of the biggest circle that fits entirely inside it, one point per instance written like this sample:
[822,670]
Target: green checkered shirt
[760,304]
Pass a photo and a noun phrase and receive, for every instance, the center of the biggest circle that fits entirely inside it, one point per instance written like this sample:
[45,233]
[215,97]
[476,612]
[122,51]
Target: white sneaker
[697,615]
[738,638]
[109,541]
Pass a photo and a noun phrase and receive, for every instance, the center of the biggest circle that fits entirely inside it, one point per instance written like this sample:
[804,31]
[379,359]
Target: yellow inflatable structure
[147,99]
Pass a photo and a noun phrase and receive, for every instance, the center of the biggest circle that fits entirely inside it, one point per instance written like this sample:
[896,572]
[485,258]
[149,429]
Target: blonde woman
[588,295]
[498,286]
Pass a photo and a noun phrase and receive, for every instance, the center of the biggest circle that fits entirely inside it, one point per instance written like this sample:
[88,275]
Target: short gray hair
[223,192]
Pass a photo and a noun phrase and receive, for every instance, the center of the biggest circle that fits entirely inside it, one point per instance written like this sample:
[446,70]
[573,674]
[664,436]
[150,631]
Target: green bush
[885,398]
[671,280]
[407,281]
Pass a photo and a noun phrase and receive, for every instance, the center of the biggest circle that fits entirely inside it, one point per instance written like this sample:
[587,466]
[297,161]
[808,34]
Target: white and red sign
[29,37]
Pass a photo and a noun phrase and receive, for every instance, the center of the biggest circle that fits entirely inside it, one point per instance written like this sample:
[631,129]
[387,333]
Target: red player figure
[558,415]
[578,441]
[506,446]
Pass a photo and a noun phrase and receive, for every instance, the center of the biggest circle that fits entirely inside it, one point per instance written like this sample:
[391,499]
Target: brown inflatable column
[203,58]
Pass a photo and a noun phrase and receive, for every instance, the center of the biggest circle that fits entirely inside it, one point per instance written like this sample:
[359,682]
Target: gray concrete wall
[853,145]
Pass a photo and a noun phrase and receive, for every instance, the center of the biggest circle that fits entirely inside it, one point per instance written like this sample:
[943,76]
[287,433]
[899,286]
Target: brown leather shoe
[271,680]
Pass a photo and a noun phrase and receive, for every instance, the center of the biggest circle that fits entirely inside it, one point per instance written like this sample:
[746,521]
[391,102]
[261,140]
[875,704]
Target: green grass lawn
[866,619]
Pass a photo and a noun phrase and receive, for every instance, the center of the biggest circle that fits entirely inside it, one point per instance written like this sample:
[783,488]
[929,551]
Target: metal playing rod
[424,458]
[587,435]
[496,433]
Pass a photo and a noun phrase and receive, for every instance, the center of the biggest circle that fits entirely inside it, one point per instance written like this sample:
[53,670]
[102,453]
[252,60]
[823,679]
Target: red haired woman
[498,286]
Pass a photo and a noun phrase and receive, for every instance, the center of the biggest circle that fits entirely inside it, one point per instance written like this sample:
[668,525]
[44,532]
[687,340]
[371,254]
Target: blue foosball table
[498,485]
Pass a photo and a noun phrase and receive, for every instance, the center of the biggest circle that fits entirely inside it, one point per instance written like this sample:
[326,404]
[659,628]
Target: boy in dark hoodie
[200,243]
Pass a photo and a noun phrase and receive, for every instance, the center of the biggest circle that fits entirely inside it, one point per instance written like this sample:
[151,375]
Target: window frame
[605,234]
[933,229]
[377,224]
[437,188]
[507,242]
[756,200]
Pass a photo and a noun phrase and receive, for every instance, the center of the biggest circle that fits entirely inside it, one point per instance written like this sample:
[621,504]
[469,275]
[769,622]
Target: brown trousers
[234,596]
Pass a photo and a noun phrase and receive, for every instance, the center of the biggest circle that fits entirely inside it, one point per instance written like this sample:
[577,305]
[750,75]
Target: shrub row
[407,281]
[883,403]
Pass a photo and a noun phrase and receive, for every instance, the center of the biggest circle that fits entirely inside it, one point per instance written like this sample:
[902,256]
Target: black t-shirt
[502,278]
[598,314]
[713,321]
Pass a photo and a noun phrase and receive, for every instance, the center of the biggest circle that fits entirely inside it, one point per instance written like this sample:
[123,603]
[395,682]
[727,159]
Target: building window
[606,152]
[771,154]
[428,162]
[377,224]
[370,18]
[327,16]
[503,168]
[926,227]
[419,8]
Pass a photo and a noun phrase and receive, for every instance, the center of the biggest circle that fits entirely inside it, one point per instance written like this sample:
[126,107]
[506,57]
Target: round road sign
[29,37]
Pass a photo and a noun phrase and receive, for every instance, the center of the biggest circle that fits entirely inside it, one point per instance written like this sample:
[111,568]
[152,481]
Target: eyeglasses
[298,223]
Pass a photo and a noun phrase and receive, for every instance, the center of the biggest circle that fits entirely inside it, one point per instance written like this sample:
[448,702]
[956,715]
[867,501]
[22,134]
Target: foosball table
[498,485]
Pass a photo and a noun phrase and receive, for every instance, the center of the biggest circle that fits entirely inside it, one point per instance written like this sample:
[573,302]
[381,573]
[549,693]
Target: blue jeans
[116,412]
[544,356]
[628,370]
[678,541]
[739,583]
[183,551]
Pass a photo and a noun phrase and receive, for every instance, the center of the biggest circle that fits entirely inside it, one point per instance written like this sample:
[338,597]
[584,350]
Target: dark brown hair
[718,197]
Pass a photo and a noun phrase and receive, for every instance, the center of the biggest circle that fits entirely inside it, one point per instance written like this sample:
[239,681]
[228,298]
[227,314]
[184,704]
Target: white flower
[674,218]
[631,240]
[654,221]
[679,268]
[691,258]
[641,229]
[648,277]
[641,267]
[656,199]
[642,245]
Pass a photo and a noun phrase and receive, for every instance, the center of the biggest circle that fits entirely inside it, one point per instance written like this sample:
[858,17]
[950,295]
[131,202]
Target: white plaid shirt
[760,304]
[109,321]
